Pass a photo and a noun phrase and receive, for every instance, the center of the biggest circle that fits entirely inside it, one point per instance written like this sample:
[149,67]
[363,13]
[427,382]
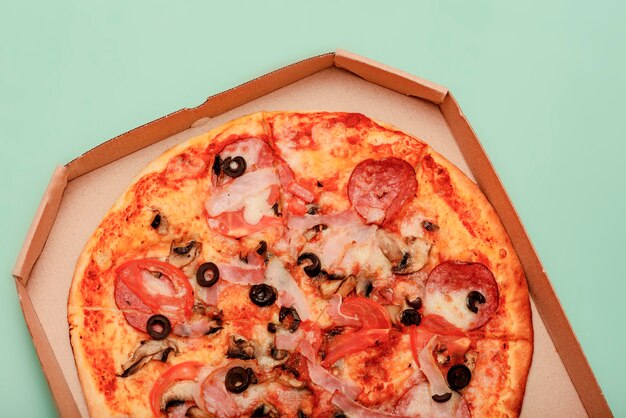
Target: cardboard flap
[389,77]
[41,225]
[540,288]
[52,370]
[180,120]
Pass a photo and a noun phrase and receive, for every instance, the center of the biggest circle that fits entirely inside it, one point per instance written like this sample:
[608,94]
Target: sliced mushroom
[364,287]
[265,410]
[181,391]
[278,354]
[149,350]
[347,286]
[159,222]
[183,253]
[240,348]
[406,256]
[329,287]
[311,233]
[195,412]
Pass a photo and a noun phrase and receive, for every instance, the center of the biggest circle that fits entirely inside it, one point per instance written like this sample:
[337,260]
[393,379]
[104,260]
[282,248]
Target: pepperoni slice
[464,295]
[378,189]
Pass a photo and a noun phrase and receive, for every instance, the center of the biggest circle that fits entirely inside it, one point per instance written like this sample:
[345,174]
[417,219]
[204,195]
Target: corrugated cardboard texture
[87,199]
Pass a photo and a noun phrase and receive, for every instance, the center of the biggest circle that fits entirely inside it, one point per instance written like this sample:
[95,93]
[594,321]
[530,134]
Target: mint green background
[541,82]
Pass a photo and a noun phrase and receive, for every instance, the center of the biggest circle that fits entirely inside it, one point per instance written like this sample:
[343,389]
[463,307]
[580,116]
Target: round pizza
[301,265]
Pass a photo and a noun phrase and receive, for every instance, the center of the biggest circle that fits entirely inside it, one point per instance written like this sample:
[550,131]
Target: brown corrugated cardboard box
[561,382]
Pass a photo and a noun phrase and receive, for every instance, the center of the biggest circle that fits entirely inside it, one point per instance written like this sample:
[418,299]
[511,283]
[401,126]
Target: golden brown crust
[322,149]
[499,378]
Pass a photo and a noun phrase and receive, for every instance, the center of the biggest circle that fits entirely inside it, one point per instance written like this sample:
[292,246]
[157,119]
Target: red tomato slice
[371,314]
[354,342]
[170,294]
[184,371]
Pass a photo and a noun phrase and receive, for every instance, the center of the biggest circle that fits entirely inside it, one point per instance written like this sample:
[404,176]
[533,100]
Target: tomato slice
[184,371]
[170,293]
[354,342]
[371,314]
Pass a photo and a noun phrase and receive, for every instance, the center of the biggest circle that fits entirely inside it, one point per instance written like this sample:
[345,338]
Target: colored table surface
[541,82]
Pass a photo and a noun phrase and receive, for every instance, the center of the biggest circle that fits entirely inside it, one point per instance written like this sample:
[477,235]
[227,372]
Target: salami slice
[463,294]
[378,189]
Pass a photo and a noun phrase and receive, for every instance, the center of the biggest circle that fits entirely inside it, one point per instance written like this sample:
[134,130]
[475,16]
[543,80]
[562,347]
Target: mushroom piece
[290,381]
[406,256]
[149,350]
[265,410]
[195,412]
[347,286]
[240,348]
[183,253]
[329,287]
[364,287]
[159,222]
[178,393]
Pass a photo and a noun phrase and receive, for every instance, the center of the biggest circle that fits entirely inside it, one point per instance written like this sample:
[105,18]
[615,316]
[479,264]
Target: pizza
[301,265]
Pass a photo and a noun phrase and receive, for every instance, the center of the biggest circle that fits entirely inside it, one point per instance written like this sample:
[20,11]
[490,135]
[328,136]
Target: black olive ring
[234,167]
[312,269]
[207,275]
[262,294]
[238,379]
[410,317]
[473,298]
[158,321]
[459,376]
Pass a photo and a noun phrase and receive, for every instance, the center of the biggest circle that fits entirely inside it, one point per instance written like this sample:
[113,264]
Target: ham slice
[323,378]
[455,406]
[242,274]
[334,310]
[276,275]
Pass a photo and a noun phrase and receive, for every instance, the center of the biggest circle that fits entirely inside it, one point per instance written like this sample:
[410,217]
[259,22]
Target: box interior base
[550,391]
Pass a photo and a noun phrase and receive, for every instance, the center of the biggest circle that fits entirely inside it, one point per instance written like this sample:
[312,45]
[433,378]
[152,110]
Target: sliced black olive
[459,376]
[410,317]
[415,304]
[314,268]
[271,328]
[442,398]
[290,318]
[319,184]
[207,275]
[234,167]
[339,415]
[262,250]
[473,298]
[262,294]
[184,250]
[217,165]
[430,227]
[238,379]
[158,326]
[156,221]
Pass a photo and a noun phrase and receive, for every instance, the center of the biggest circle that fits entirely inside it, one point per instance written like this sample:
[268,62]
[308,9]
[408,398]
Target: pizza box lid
[560,383]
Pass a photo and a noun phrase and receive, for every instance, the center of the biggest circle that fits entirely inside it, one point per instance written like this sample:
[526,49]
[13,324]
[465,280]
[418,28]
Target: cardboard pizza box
[561,382]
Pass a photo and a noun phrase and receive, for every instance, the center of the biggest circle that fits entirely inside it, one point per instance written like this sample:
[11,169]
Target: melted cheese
[452,306]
